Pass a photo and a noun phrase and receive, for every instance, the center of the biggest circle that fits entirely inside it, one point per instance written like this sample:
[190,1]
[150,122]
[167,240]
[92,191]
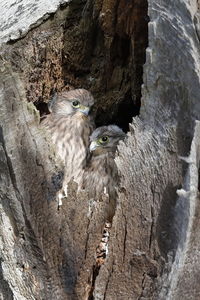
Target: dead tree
[141,60]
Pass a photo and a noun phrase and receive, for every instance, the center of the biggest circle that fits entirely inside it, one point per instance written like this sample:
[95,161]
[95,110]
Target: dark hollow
[107,58]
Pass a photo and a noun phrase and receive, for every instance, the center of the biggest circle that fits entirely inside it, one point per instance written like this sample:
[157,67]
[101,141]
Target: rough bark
[102,45]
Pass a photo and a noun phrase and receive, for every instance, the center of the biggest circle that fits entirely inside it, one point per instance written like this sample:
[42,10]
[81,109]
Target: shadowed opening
[106,56]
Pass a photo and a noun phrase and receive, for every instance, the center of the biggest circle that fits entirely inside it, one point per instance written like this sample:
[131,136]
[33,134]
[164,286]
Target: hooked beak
[93,146]
[84,109]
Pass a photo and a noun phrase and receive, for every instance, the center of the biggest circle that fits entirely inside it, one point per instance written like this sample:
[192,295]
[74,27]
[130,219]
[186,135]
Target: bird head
[72,102]
[106,138]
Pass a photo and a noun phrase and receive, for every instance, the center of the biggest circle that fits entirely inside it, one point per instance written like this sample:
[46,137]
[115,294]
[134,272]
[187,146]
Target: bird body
[71,137]
[101,175]
[70,127]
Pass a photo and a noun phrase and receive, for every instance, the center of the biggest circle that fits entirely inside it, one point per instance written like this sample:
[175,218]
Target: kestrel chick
[70,127]
[101,176]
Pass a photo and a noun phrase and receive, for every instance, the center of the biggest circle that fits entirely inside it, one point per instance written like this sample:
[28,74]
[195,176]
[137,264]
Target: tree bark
[140,59]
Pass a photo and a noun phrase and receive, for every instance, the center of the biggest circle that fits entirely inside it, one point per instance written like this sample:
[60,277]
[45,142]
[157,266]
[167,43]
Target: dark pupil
[104,138]
[75,103]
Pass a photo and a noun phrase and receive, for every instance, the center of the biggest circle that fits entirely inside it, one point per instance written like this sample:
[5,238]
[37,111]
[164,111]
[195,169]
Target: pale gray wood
[184,276]
[19,16]
[27,191]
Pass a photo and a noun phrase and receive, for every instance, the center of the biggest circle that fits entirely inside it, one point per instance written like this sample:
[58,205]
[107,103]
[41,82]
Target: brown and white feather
[101,175]
[70,132]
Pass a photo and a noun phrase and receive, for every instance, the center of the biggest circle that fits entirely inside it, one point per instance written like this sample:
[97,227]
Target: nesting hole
[104,56]
[120,114]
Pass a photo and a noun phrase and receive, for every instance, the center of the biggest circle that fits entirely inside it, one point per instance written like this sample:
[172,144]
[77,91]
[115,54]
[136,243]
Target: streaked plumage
[70,128]
[101,176]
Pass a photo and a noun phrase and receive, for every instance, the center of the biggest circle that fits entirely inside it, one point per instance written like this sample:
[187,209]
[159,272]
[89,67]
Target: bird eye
[103,139]
[76,103]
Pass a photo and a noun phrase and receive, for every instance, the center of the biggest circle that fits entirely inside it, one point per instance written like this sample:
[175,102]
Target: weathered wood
[28,188]
[184,275]
[18,17]
[153,246]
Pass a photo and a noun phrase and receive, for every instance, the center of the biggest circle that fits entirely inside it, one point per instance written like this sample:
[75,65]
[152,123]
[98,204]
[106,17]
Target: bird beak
[84,109]
[93,146]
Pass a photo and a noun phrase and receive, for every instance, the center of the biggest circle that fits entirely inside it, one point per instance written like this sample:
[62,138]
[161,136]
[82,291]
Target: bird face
[77,106]
[106,138]
[68,103]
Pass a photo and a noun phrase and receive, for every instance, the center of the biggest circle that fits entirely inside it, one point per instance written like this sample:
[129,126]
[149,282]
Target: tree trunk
[141,61]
